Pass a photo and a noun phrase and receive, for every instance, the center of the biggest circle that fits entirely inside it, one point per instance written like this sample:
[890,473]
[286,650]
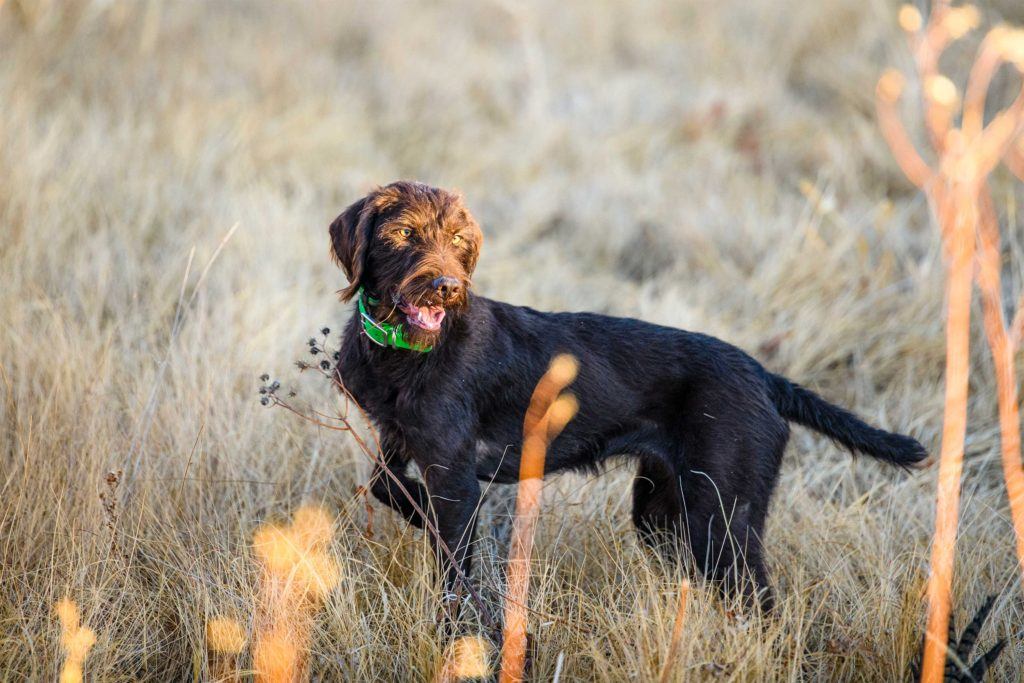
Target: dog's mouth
[424,317]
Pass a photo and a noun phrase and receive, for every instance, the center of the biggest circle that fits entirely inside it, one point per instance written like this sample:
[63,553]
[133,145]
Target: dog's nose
[446,287]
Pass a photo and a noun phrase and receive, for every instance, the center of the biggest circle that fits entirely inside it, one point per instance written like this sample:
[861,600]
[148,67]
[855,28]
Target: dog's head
[413,247]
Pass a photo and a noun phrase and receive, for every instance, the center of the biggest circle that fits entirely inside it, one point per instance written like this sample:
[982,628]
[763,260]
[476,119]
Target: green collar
[384,334]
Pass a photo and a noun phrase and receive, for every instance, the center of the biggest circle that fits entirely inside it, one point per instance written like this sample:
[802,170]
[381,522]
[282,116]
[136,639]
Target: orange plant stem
[960,250]
[513,654]
[540,427]
[903,151]
[677,632]
[1002,347]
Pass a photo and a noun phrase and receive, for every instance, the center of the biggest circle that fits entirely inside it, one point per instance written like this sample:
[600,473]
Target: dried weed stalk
[546,417]
[958,194]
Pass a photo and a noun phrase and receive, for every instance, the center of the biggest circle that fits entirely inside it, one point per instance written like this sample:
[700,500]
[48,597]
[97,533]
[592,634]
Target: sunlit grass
[298,574]
[719,170]
[76,640]
[468,658]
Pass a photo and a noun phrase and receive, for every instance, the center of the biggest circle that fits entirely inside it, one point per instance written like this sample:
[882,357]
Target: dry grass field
[167,176]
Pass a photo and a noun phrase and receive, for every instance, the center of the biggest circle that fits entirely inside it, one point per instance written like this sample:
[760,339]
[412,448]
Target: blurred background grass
[709,165]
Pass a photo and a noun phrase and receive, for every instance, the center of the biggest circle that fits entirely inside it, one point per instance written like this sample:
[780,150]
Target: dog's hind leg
[734,443]
[657,503]
[724,536]
[725,542]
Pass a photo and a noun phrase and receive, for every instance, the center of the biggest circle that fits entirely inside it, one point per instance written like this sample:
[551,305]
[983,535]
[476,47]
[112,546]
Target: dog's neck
[389,335]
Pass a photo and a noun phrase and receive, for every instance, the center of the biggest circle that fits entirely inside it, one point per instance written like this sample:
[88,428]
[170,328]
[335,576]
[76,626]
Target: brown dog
[447,375]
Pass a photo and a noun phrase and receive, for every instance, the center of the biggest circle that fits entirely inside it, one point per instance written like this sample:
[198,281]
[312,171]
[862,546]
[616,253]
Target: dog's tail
[810,410]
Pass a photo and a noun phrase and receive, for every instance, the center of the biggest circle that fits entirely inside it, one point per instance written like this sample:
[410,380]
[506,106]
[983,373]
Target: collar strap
[384,334]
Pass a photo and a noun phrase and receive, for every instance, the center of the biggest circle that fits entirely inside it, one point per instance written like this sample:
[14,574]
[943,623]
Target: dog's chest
[373,396]
[387,393]
[376,393]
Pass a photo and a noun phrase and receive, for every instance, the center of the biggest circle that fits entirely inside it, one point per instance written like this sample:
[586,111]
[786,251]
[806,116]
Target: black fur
[810,410]
[706,422]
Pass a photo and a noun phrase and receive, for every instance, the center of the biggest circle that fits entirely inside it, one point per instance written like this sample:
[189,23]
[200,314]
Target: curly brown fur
[706,422]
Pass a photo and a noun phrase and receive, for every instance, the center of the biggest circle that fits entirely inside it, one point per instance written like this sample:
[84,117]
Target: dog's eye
[405,232]
[456,239]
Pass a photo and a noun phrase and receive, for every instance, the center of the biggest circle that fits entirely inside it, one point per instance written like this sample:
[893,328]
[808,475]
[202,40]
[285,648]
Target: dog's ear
[350,236]
[476,242]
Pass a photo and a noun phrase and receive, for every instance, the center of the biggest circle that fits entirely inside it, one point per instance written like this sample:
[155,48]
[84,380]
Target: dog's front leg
[454,501]
[393,487]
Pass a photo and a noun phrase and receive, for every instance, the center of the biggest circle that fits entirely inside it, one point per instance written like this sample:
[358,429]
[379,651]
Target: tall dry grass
[715,166]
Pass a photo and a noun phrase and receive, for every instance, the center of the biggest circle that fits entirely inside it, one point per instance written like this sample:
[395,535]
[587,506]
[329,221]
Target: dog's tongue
[427,317]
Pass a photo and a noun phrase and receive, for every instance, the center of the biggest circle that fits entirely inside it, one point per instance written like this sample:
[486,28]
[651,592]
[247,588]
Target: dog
[446,377]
